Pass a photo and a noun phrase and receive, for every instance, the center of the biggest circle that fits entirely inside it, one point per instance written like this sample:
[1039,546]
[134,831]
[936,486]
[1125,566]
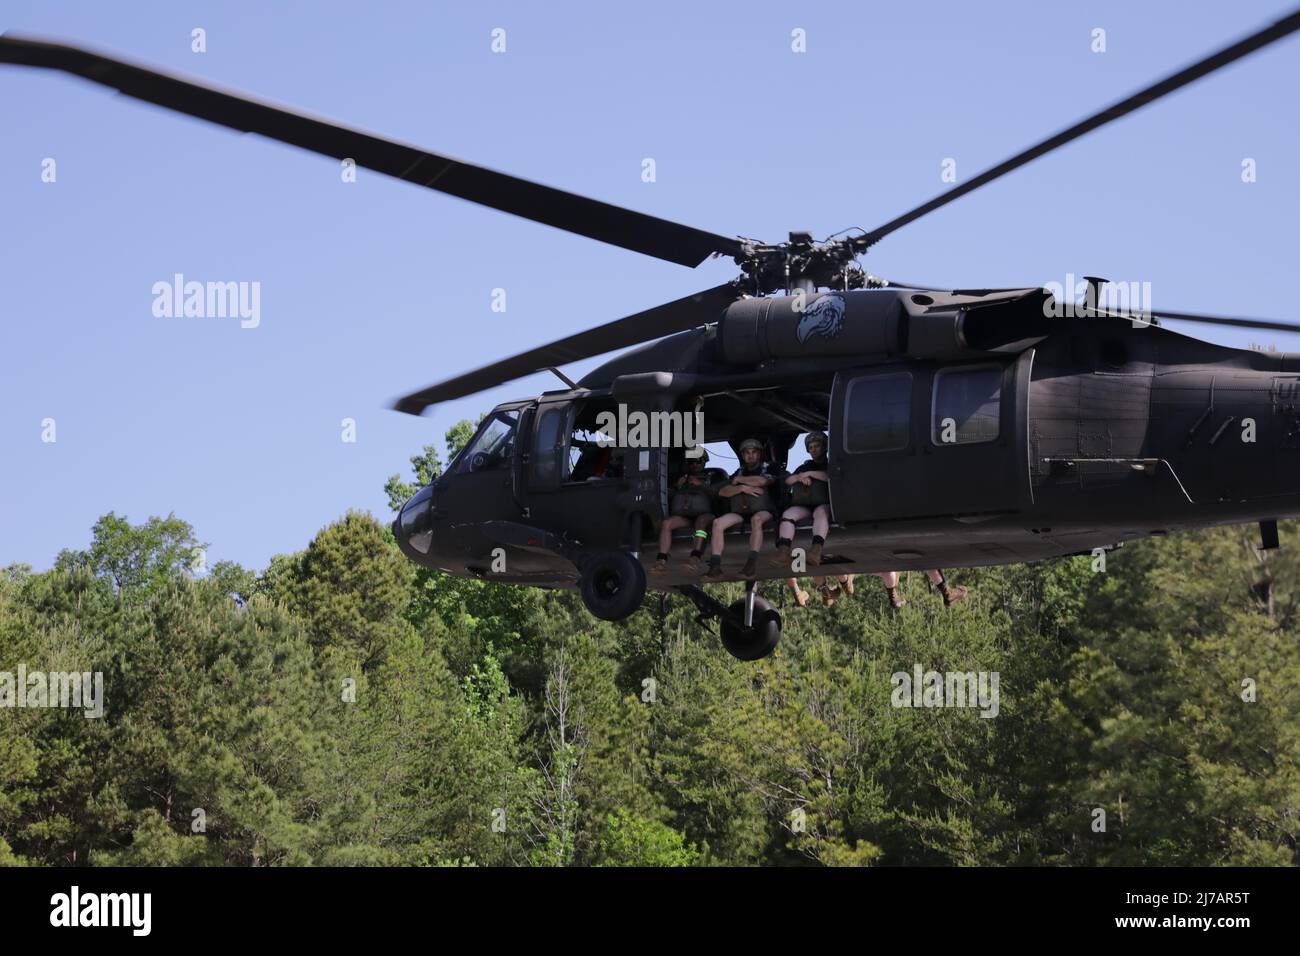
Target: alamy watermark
[77,690]
[1081,298]
[208,300]
[625,429]
[946,689]
[75,908]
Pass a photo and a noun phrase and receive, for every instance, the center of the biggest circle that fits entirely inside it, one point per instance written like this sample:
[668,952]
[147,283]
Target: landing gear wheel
[613,585]
[751,643]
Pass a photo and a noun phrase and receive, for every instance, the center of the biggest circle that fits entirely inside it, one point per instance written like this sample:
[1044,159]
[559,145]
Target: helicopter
[966,427]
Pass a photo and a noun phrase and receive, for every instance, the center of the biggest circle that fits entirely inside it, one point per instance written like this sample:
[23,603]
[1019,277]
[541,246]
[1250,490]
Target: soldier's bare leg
[756,523]
[720,526]
[785,533]
[821,525]
[951,595]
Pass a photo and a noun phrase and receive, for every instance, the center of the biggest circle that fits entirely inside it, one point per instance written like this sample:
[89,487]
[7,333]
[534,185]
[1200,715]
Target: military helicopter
[967,427]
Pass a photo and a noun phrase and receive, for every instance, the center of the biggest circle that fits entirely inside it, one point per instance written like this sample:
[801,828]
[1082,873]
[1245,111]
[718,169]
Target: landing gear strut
[749,628]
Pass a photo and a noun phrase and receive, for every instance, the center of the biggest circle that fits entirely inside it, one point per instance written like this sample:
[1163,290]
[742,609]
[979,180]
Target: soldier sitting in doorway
[749,495]
[692,503]
[810,497]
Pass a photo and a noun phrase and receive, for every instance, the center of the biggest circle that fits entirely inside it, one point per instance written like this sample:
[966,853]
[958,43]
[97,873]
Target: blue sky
[375,288]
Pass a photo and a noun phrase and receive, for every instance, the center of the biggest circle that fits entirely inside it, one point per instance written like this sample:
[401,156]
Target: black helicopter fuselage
[966,429]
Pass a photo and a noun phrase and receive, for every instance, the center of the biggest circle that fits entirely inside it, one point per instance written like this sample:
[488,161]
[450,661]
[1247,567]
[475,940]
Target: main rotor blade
[553,207]
[1239,323]
[1169,84]
[687,313]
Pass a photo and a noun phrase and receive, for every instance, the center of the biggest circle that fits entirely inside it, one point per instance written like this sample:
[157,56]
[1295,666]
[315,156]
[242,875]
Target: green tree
[351,589]
[137,556]
[233,580]
[630,840]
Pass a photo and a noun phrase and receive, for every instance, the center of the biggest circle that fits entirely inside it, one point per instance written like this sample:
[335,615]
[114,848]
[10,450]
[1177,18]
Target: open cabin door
[917,440]
[577,483]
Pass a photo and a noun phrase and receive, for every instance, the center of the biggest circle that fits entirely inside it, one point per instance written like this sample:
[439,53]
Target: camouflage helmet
[750,443]
[815,436]
[702,457]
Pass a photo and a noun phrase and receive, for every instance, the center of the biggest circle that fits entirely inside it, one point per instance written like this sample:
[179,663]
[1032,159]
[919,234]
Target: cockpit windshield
[493,446]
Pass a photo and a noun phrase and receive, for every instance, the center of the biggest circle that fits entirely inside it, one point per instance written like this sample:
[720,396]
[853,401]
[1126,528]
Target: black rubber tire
[754,643]
[613,585]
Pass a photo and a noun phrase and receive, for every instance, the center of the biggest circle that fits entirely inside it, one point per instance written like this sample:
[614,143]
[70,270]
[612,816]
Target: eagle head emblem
[823,317]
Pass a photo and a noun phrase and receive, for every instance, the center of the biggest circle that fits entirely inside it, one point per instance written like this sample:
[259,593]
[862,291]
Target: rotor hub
[801,263]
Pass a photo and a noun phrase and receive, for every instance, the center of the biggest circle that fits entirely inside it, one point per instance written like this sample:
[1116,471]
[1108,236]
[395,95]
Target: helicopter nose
[413,526]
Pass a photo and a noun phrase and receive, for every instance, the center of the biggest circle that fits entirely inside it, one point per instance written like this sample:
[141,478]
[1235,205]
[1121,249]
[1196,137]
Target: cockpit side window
[549,461]
[493,446]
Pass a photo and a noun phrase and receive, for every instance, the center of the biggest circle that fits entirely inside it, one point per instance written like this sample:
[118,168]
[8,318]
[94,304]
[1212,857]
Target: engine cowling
[884,322]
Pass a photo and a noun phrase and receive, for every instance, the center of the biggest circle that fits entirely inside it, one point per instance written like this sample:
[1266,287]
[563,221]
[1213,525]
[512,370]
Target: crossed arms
[751,485]
[806,478]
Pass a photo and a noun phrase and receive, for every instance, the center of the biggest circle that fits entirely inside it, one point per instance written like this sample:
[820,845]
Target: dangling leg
[756,522]
[890,580]
[666,542]
[701,540]
[720,526]
[821,527]
[830,592]
[785,534]
[951,595]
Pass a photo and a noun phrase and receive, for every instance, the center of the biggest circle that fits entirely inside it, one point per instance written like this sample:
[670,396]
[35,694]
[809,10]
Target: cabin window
[878,413]
[967,405]
[593,455]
